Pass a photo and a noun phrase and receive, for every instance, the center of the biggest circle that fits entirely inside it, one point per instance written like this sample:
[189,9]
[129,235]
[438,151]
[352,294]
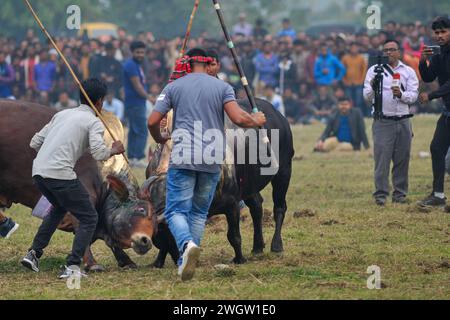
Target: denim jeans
[138,133]
[189,196]
[66,196]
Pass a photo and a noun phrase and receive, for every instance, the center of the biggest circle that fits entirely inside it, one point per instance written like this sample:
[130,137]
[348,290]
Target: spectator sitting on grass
[345,130]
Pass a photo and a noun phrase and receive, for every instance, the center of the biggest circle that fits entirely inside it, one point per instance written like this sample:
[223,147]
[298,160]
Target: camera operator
[392,132]
[437,65]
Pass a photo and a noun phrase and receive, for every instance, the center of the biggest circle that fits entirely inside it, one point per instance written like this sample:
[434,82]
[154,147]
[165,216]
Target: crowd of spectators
[302,75]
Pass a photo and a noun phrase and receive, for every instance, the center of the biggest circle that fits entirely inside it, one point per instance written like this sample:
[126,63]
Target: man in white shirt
[392,134]
[59,145]
[243,27]
[114,105]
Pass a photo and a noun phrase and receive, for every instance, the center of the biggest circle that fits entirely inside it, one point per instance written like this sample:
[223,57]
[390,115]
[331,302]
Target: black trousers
[66,196]
[439,147]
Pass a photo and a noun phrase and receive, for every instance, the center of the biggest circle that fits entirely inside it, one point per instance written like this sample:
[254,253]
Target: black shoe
[380,201]
[7,228]
[400,200]
[30,261]
[432,201]
[71,271]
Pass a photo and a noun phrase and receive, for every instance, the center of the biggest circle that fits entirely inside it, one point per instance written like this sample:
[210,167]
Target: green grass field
[336,234]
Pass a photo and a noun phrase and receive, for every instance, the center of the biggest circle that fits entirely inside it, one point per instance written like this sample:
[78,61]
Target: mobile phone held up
[435,49]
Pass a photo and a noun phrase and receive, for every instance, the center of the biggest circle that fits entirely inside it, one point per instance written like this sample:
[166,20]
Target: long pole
[238,64]
[189,28]
[71,72]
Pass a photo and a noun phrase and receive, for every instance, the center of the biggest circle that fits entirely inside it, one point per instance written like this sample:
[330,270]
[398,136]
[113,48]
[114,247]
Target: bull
[125,219]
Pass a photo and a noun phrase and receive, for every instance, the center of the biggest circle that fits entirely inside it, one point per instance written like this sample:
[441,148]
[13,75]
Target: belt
[398,118]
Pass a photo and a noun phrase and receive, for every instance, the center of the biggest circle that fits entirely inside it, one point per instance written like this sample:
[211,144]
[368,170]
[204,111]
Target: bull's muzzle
[141,243]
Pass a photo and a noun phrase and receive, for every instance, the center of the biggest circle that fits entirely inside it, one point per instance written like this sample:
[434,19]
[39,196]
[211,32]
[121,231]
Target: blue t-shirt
[45,75]
[344,133]
[131,68]
[198,133]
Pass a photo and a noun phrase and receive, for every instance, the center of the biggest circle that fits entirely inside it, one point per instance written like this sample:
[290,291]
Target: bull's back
[250,175]
[19,121]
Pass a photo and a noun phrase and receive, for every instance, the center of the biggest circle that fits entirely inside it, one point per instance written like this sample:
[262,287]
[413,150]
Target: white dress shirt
[63,141]
[393,106]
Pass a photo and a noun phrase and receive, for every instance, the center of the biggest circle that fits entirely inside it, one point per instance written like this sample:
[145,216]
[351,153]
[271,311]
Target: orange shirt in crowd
[356,69]
[84,64]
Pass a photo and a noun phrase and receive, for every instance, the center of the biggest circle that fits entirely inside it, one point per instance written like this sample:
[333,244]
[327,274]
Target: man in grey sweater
[59,145]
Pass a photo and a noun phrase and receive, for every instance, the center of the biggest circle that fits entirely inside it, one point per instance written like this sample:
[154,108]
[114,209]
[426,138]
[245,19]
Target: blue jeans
[138,133]
[189,196]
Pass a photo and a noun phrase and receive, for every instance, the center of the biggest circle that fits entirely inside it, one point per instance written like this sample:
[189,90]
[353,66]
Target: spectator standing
[432,67]
[356,67]
[110,70]
[85,60]
[242,27]
[7,77]
[28,65]
[259,32]
[287,30]
[135,87]
[328,70]
[392,135]
[45,73]
[300,58]
[267,65]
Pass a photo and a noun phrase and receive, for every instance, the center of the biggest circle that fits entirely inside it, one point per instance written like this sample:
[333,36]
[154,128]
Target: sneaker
[71,271]
[30,261]
[190,258]
[432,201]
[380,201]
[7,228]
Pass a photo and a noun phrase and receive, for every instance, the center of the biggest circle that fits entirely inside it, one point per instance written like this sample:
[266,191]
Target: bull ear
[119,188]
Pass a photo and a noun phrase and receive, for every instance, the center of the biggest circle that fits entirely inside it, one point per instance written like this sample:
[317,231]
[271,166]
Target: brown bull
[125,220]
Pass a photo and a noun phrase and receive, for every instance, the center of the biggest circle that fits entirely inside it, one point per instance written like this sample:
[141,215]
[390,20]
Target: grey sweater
[63,141]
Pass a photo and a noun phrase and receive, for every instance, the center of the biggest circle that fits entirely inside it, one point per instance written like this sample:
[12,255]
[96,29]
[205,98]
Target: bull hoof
[277,247]
[257,252]
[95,268]
[240,260]
[158,264]
[129,266]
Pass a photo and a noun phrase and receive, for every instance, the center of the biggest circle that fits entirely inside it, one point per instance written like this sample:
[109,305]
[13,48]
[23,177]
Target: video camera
[378,62]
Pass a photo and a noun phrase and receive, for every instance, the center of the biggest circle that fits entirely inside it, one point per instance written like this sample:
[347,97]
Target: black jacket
[439,68]
[357,128]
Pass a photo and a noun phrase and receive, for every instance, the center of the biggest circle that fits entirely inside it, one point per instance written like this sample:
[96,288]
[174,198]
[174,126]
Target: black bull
[239,181]
[125,220]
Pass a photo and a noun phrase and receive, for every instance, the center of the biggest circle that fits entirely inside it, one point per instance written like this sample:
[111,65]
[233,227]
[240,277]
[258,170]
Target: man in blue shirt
[45,73]
[267,65]
[7,77]
[199,102]
[288,30]
[135,86]
[328,70]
